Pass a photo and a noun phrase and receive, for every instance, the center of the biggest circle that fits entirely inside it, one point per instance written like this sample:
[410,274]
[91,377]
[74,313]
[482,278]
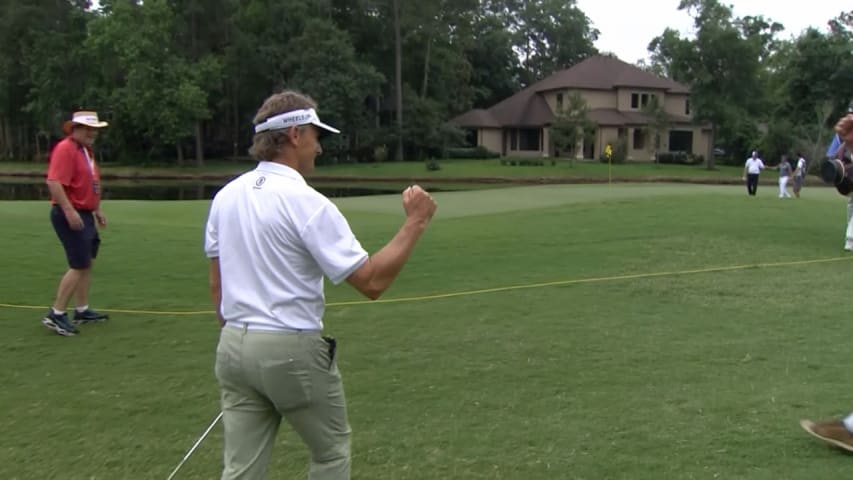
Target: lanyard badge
[90,162]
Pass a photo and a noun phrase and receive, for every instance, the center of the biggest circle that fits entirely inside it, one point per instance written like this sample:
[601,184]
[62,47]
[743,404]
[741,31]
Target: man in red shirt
[75,192]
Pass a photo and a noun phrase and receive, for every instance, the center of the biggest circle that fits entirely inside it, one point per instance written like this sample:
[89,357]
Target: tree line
[180,80]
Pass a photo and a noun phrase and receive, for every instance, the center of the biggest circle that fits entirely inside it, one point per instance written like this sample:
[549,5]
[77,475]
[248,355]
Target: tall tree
[549,35]
[324,62]
[200,37]
[398,78]
[495,68]
[160,93]
[657,126]
[572,127]
[41,75]
[722,66]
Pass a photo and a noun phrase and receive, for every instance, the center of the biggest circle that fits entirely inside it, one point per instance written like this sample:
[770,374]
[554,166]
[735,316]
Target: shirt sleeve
[329,239]
[211,232]
[61,165]
[832,150]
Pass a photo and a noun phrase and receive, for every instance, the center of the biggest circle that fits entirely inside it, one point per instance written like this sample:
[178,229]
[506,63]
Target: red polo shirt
[77,173]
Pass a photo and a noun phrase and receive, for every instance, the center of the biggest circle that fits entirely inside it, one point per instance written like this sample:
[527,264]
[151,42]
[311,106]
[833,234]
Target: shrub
[620,151]
[433,166]
[380,154]
[676,158]
[523,162]
[471,152]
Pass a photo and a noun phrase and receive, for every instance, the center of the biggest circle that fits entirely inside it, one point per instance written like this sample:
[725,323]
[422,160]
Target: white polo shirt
[754,165]
[276,237]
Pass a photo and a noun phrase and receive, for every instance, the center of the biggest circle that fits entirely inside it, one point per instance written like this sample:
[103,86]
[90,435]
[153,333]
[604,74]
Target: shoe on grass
[59,324]
[89,316]
[833,432]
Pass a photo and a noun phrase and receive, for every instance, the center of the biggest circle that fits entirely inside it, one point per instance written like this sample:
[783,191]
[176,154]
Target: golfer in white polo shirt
[751,169]
[271,239]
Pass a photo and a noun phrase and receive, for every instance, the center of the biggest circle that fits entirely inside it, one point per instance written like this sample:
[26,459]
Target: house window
[681,141]
[640,100]
[528,139]
[687,106]
[513,139]
[559,102]
[639,139]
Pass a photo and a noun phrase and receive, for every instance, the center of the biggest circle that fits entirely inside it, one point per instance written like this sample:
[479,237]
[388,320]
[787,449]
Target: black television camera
[839,173]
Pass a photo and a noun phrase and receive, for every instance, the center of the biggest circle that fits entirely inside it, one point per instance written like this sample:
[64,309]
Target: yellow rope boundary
[423,298]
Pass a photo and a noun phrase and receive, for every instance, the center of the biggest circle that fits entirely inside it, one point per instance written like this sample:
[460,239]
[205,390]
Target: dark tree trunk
[398,78]
[199,145]
[180,152]
[426,67]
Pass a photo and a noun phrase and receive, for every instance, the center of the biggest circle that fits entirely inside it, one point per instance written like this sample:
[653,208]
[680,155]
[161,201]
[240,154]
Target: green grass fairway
[640,332]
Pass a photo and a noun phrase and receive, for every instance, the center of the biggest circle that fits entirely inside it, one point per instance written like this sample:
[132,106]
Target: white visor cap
[294,118]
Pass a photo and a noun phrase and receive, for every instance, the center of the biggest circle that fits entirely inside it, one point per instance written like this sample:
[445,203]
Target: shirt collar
[78,144]
[280,169]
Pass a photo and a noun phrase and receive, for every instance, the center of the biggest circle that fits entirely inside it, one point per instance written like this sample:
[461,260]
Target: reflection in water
[161,191]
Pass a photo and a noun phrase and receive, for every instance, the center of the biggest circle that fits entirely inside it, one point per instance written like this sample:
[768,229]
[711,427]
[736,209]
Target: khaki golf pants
[264,376]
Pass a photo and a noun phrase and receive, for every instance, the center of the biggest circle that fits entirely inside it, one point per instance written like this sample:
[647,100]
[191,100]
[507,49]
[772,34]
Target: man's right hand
[375,275]
[418,204]
[74,220]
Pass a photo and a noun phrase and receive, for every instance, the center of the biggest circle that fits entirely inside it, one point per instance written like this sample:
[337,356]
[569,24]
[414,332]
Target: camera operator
[838,432]
[842,149]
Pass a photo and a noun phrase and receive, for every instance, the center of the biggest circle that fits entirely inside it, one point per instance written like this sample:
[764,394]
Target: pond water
[27,189]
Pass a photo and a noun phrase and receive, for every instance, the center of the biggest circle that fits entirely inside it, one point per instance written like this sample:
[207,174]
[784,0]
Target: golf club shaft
[197,443]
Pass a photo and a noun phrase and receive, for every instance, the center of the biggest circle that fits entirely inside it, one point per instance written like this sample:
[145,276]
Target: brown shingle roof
[476,118]
[536,112]
[606,73]
[525,108]
[528,107]
[607,116]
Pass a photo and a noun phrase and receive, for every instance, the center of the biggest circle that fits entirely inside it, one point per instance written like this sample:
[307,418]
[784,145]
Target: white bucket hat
[87,118]
[294,118]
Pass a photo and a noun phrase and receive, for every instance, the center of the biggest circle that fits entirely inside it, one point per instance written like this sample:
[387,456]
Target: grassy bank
[574,332]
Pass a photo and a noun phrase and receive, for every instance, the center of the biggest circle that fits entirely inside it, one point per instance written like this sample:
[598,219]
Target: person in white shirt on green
[751,169]
[271,239]
[784,168]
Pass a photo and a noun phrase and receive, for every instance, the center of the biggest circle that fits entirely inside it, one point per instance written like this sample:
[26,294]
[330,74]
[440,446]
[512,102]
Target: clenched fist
[418,204]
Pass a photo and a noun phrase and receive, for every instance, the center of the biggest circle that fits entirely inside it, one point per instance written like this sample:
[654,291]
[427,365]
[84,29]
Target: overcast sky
[627,26]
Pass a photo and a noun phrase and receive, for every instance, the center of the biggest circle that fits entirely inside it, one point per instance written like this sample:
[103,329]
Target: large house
[615,94]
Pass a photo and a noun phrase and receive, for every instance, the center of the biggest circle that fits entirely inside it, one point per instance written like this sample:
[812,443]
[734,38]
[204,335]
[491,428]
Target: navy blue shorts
[81,246]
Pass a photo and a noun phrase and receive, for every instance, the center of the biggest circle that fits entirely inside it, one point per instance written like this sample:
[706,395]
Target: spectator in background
[784,168]
[799,174]
[75,193]
[751,170]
